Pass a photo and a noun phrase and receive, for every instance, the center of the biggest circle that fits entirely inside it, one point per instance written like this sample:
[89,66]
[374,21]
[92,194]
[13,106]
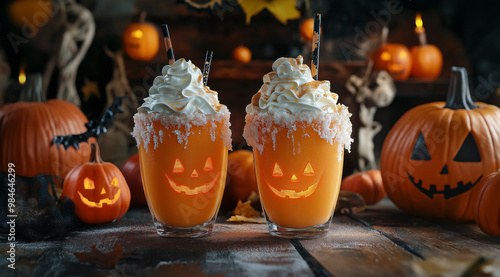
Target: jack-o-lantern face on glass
[192,180]
[435,157]
[303,185]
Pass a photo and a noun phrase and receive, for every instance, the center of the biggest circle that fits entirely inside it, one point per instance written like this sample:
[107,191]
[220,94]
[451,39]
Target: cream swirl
[180,90]
[291,88]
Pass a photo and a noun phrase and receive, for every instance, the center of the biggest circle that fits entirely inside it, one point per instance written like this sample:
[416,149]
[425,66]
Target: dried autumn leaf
[283,10]
[244,212]
[350,201]
[102,259]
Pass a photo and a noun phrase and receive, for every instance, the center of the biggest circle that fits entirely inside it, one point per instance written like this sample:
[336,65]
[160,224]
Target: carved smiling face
[108,193]
[466,156]
[191,180]
[292,184]
[395,58]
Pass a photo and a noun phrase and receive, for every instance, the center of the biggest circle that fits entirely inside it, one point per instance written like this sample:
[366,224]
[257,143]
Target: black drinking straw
[206,67]
[315,46]
[168,44]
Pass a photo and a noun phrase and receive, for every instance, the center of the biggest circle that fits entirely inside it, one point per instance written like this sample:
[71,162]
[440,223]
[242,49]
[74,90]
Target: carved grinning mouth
[101,202]
[292,194]
[447,192]
[197,190]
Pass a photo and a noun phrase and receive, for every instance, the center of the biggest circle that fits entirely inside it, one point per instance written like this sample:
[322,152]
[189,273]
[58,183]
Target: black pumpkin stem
[458,90]
[95,153]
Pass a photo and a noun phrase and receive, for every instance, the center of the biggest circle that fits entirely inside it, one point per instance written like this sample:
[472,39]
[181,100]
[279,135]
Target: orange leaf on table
[100,258]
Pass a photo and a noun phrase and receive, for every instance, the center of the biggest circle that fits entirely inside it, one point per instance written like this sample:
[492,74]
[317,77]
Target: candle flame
[22,76]
[418,21]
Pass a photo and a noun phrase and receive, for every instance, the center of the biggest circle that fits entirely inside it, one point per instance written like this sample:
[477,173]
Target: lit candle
[22,76]
[420,30]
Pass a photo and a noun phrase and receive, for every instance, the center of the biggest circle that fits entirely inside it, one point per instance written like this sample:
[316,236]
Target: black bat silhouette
[94,128]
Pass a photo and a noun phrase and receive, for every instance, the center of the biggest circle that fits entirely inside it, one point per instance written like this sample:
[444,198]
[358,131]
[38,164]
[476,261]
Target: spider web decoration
[94,128]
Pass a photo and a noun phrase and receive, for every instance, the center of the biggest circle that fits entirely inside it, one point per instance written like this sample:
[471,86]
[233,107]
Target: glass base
[198,231]
[312,232]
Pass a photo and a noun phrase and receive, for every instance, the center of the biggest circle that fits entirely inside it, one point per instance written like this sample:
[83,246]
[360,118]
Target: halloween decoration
[487,206]
[141,41]
[240,178]
[283,10]
[98,189]
[31,127]
[105,260]
[395,58]
[427,60]
[368,184]
[40,214]
[370,92]
[26,13]
[132,173]
[436,154]
[242,54]
[306,29]
[94,129]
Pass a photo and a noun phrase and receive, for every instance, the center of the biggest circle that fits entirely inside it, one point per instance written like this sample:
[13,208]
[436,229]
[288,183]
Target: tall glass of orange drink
[183,138]
[298,132]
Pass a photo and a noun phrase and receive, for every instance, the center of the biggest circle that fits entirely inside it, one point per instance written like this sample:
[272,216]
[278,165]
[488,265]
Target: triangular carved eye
[469,152]
[178,167]
[277,172]
[309,171]
[420,151]
[209,165]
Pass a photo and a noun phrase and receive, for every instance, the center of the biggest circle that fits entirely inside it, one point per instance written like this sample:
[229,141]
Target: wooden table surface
[381,241]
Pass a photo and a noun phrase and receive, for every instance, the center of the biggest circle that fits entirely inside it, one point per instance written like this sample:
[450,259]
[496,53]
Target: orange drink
[298,132]
[183,159]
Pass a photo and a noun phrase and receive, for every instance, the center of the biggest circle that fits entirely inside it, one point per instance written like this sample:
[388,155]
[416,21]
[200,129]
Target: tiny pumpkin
[395,58]
[436,154]
[368,184]
[427,61]
[487,206]
[141,40]
[98,189]
[307,29]
[240,181]
[242,54]
[132,173]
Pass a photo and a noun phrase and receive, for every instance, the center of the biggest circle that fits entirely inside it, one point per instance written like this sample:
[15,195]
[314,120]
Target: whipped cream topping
[180,90]
[291,88]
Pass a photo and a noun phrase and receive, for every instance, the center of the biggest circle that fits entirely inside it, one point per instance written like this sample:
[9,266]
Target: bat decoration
[94,128]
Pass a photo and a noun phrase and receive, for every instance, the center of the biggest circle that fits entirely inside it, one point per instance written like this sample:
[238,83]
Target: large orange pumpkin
[98,189]
[141,40]
[487,206]
[427,61]
[395,58]
[27,130]
[436,154]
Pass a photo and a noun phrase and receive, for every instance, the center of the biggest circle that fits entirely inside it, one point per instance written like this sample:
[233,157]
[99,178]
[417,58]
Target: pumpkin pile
[98,189]
[436,155]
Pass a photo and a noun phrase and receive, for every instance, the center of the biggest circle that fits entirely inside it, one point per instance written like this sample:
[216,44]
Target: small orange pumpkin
[240,181]
[395,58]
[141,41]
[32,14]
[132,173]
[437,154]
[427,61]
[487,206]
[27,130]
[98,189]
[242,54]
[307,29]
[368,184]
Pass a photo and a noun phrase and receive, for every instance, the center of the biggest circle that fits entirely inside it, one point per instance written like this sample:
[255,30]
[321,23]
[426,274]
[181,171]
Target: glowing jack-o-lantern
[395,58]
[98,189]
[292,193]
[435,156]
[178,168]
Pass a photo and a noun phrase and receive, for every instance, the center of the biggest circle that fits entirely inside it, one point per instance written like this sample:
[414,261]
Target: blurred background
[84,48]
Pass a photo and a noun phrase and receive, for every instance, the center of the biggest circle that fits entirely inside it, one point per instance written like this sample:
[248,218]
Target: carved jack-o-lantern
[435,156]
[98,189]
[192,176]
[395,58]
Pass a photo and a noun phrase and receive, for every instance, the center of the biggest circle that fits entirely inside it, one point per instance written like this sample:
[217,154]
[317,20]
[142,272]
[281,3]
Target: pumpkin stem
[458,90]
[95,154]
[32,89]
[142,17]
